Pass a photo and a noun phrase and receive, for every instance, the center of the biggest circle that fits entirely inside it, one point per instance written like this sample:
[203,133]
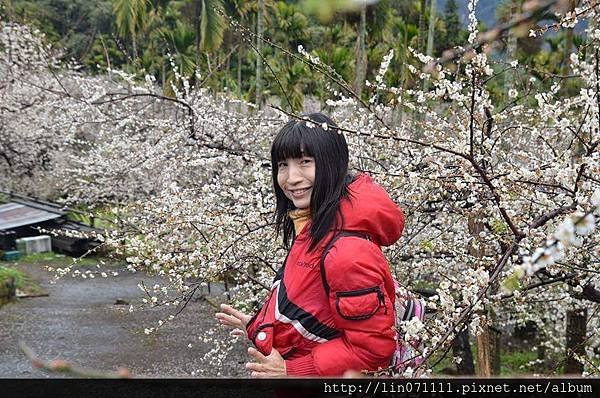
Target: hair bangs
[292,142]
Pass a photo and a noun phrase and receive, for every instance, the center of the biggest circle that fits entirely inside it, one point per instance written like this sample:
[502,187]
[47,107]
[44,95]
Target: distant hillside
[485,11]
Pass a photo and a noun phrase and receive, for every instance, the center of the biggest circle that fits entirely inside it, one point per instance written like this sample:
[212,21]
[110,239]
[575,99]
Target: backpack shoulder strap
[335,237]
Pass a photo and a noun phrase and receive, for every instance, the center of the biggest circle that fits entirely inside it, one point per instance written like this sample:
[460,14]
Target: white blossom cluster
[570,232]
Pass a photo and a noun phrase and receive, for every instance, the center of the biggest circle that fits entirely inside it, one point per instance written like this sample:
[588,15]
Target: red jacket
[352,326]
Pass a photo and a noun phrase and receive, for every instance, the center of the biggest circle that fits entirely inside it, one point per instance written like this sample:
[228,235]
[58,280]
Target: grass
[60,260]
[55,260]
[22,281]
[7,273]
[49,259]
[513,362]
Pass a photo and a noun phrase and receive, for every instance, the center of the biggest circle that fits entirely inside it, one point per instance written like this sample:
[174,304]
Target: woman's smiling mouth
[299,192]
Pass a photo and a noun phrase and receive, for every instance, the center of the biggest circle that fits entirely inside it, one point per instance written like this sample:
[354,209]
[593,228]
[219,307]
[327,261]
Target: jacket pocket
[359,304]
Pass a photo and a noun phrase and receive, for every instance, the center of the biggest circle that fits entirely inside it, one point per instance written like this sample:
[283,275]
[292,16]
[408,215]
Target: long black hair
[329,149]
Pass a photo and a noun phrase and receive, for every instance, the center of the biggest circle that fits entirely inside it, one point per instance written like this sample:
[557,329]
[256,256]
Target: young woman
[324,320]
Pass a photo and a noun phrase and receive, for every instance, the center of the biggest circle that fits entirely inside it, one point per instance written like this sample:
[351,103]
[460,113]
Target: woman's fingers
[233,318]
[257,355]
[271,365]
[229,320]
[256,367]
[235,313]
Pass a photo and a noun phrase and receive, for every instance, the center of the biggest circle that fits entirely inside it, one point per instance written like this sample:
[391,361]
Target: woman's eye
[281,164]
[306,161]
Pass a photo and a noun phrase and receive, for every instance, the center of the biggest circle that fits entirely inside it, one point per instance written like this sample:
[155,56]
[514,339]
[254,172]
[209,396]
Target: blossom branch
[62,366]
[126,96]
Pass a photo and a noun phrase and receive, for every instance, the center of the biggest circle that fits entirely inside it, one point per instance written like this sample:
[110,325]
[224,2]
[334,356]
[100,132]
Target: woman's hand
[233,318]
[270,366]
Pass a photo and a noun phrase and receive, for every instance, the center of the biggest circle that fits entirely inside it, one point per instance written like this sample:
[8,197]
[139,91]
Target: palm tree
[209,25]
[181,39]
[131,19]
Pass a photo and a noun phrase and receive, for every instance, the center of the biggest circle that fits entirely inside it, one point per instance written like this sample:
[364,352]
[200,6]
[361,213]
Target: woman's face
[296,177]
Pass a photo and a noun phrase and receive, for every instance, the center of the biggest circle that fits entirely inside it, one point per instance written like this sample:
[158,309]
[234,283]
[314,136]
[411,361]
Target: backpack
[408,354]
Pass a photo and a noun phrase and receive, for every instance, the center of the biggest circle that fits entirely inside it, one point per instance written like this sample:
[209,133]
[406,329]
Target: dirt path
[80,322]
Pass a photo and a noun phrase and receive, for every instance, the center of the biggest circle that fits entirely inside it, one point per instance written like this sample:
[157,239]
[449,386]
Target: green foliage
[22,281]
[325,10]
[514,362]
[499,227]
[293,79]
[211,24]
[75,24]
[454,34]
[290,25]
[6,273]
[445,366]
[427,245]
[60,260]
[130,16]
[340,59]
[139,35]
[103,50]
[513,281]
[42,257]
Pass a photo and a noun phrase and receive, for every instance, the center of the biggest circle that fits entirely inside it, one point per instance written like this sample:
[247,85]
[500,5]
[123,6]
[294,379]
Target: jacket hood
[370,210]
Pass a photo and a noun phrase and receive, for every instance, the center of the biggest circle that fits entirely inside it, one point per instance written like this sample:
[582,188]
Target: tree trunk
[430,33]
[361,53]
[488,349]
[568,45]
[431,30]
[135,52]
[421,35]
[259,65]
[197,31]
[164,73]
[511,50]
[9,9]
[239,75]
[576,331]
[488,345]
[496,348]
[462,349]
[403,78]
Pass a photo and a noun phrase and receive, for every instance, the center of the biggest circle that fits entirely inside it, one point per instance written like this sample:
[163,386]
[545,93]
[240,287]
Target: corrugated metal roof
[13,215]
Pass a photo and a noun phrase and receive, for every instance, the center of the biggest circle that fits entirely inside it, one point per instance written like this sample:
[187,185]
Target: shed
[22,217]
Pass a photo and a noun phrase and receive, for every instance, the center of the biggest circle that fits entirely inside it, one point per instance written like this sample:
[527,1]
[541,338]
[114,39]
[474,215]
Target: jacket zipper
[360,292]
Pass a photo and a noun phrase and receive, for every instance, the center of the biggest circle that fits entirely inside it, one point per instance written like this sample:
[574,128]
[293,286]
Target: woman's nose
[294,174]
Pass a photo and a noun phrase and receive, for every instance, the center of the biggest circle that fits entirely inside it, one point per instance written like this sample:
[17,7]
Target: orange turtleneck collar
[300,217]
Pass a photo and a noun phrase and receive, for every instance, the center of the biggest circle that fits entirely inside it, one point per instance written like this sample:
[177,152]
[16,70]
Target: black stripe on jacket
[306,319]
